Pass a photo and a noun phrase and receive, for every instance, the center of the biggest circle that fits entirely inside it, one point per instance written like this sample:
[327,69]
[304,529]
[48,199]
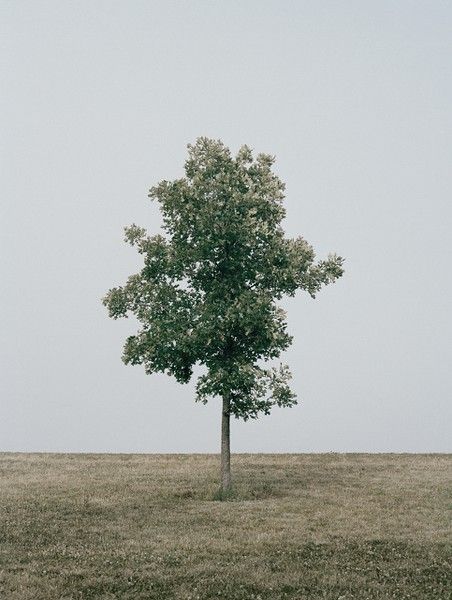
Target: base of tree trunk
[226,484]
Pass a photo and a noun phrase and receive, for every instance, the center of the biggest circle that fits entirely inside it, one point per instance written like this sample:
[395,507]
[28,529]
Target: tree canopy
[208,289]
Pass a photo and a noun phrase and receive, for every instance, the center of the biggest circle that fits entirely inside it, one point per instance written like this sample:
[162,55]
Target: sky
[99,101]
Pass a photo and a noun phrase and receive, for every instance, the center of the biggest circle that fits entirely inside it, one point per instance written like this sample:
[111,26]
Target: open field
[299,527]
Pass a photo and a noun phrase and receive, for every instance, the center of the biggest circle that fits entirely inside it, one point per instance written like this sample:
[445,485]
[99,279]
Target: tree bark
[225,447]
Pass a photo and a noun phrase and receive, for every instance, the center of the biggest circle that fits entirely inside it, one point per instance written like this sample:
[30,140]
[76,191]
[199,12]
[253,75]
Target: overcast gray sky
[99,101]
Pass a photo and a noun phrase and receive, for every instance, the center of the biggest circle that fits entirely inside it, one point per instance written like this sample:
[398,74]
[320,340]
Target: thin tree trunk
[225,447]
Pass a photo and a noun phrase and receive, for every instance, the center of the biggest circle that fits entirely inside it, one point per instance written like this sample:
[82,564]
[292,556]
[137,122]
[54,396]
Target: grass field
[298,527]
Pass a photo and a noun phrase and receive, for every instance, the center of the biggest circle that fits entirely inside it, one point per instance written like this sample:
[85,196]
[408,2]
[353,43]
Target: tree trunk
[225,447]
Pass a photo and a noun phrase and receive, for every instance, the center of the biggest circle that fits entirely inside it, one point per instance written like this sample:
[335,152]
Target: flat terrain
[300,527]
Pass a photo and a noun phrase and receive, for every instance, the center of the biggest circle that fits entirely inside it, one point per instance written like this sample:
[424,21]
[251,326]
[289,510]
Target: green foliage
[207,291]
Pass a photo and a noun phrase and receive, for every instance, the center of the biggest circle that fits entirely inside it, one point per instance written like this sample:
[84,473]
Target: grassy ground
[300,527]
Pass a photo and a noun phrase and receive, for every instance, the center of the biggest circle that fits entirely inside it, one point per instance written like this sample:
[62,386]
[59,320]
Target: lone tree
[207,291]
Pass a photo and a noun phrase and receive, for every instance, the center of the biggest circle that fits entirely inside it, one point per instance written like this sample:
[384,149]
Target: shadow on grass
[248,491]
[240,492]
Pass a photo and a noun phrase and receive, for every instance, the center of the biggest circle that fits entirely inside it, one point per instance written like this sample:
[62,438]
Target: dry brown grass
[298,527]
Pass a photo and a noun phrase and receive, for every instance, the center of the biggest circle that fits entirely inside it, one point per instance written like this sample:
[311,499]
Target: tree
[206,293]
